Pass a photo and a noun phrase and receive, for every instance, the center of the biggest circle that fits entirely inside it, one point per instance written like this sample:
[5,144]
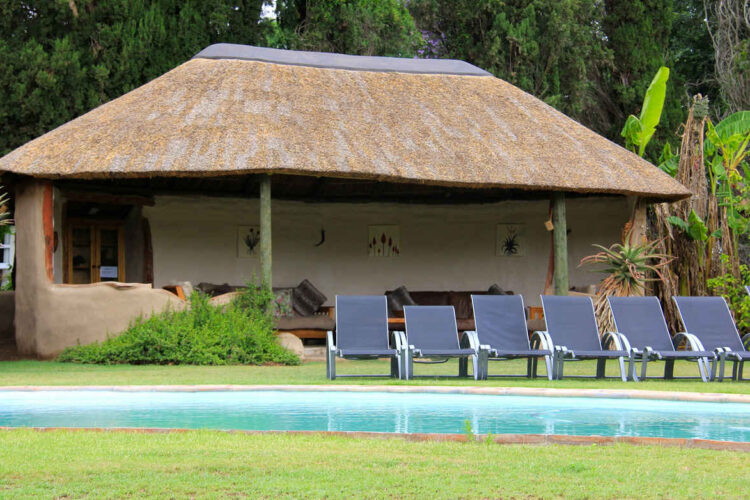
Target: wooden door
[109,255]
[95,252]
[80,260]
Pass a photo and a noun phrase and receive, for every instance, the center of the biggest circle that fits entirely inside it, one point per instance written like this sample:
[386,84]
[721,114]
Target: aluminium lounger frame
[621,345]
[468,342]
[398,359]
[706,366]
[722,353]
[706,360]
[539,343]
[397,362]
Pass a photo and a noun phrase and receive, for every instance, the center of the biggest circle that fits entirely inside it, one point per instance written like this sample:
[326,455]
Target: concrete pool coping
[474,390]
[500,439]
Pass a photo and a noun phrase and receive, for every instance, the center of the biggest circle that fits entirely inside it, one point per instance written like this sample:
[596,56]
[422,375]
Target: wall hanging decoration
[511,240]
[248,241]
[384,241]
[322,237]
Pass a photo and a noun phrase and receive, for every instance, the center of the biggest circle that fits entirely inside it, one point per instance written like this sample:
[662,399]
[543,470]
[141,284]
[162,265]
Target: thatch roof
[237,109]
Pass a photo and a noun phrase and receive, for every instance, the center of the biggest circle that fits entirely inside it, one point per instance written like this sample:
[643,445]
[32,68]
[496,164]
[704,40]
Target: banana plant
[731,140]
[728,145]
[694,227]
[668,161]
[696,230]
[639,130]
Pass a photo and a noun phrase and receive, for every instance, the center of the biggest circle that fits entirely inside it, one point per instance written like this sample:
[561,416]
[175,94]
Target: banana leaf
[653,104]
[639,130]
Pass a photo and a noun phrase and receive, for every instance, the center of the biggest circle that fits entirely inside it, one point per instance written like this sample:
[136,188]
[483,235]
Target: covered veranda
[176,180]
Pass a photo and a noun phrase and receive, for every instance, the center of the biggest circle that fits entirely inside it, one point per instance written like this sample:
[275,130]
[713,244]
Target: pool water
[376,412]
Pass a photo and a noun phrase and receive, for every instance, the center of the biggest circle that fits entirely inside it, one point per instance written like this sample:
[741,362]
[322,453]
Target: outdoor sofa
[459,300]
[298,310]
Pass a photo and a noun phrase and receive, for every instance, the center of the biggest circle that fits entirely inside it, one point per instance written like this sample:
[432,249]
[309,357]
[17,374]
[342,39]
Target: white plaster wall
[443,247]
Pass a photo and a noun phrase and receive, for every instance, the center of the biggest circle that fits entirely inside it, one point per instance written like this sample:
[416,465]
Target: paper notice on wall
[108,272]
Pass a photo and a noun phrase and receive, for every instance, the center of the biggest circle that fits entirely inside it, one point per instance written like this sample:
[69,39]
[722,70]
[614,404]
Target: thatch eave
[235,116]
[654,197]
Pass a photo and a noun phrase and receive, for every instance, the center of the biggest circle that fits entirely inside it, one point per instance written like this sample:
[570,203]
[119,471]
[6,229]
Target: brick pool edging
[501,439]
[488,391]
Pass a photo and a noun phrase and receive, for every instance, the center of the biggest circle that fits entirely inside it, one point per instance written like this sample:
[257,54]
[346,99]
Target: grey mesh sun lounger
[641,321]
[709,319]
[502,334]
[362,333]
[571,325]
[431,332]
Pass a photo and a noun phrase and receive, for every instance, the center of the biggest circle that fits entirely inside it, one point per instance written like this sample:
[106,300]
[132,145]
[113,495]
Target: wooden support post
[265,230]
[560,237]
[48,224]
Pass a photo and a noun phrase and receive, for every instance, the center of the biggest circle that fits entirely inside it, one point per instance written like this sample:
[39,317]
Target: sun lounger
[431,333]
[709,319]
[641,321]
[362,333]
[571,325]
[502,334]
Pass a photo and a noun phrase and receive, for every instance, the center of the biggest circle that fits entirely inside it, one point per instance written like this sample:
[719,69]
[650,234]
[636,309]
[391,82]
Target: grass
[202,464]
[52,373]
[213,464]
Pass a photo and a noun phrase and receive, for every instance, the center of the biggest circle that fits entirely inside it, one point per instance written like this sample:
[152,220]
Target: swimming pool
[376,412]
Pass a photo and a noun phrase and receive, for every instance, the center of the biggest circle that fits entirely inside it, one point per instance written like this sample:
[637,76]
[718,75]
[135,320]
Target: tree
[58,59]
[361,27]
[638,33]
[553,49]
[691,54]
[729,27]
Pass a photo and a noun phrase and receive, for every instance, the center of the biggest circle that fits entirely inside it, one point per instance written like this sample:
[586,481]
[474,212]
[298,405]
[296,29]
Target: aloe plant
[639,130]
[628,267]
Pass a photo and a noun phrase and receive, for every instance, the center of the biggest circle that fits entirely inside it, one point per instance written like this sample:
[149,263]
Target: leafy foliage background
[590,59]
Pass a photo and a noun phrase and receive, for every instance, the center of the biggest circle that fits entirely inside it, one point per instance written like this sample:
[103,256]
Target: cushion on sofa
[397,299]
[307,299]
[283,304]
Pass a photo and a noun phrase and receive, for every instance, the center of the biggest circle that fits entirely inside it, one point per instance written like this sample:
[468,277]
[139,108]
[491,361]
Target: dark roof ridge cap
[340,61]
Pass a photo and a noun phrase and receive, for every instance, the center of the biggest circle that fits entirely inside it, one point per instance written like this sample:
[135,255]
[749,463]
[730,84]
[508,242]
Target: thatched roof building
[239,109]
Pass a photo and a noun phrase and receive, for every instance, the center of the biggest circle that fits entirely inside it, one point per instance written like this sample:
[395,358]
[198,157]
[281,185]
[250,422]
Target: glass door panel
[109,254]
[94,251]
[81,255]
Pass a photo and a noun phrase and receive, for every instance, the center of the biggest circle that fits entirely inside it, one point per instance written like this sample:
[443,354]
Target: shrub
[238,333]
[733,290]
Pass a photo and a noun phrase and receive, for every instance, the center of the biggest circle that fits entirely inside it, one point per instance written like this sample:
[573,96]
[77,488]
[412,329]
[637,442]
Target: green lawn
[66,464]
[74,464]
[51,373]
